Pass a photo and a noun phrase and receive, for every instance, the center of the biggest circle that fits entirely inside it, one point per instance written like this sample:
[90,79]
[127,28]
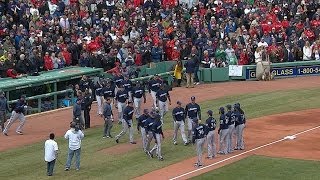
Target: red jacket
[310,34]
[48,64]
[244,59]
[67,57]
[138,59]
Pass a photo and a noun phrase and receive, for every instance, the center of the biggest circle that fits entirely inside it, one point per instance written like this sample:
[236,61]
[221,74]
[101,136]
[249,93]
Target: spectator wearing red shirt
[48,64]
[67,56]
[244,58]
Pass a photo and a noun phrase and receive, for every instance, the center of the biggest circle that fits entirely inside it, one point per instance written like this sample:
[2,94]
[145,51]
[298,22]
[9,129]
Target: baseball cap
[145,111]
[23,96]
[193,97]
[210,112]
[179,102]
[130,102]
[221,109]
[228,106]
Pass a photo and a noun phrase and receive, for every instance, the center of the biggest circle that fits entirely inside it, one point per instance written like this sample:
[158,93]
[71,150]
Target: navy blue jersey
[137,92]
[193,110]
[162,95]
[240,118]
[157,127]
[127,85]
[98,89]
[223,122]
[122,96]
[178,114]
[107,92]
[118,80]
[148,124]
[142,120]
[83,85]
[154,85]
[233,118]
[199,132]
[228,117]
[211,123]
[128,113]
[76,110]
[19,108]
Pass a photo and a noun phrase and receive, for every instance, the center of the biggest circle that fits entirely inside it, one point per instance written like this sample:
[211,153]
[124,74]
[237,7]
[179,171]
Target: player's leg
[124,130]
[120,112]
[175,132]
[183,134]
[240,137]
[105,130]
[137,106]
[149,139]
[223,141]
[210,144]
[231,145]
[22,119]
[189,121]
[154,98]
[144,139]
[13,118]
[158,136]
[99,103]
[131,131]
[191,80]
[2,119]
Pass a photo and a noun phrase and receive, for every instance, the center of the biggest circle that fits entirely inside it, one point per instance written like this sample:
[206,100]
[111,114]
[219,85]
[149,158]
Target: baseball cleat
[197,165]
[104,137]
[186,143]
[6,134]
[175,143]
[150,154]
[161,159]
[66,169]
[133,142]
[117,140]
[19,132]
[209,157]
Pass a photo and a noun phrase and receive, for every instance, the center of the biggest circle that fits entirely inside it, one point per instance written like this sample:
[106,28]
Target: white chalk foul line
[246,152]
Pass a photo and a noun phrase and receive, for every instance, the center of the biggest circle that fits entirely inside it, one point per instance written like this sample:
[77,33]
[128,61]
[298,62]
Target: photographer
[74,135]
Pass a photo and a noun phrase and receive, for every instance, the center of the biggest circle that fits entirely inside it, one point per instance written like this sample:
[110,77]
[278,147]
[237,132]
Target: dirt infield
[39,126]
[257,133]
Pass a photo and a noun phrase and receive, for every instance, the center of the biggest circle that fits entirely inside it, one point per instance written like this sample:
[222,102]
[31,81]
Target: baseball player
[141,128]
[157,133]
[223,132]
[148,128]
[117,79]
[240,125]
[138,93]
[230,118]
[108,90]
[86,103]
[211,126]
[199,133]
[108,120]
[121,98]
[127,123]
[99,97]
[193,113]
[17,113]
[4,108]
[178,114]
[154,86]
[163,96]
[127,85]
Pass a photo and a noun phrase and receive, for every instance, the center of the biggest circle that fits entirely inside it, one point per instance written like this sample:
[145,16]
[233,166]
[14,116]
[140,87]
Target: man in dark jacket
[190,66]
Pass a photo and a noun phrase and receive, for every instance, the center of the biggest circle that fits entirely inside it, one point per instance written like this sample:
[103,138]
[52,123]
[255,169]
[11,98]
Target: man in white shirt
[74,135]
[50,153]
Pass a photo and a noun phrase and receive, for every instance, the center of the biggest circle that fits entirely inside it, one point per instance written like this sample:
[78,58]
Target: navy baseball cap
[210,112]
[179,102]
[221,109]
[130,102]
[145,111]
[23,96]
[228,106]
[193,97]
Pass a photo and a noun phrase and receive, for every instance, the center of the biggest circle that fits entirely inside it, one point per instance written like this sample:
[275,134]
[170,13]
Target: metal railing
[40,97]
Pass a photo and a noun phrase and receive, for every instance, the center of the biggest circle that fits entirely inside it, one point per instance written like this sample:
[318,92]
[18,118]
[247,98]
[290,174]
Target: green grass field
[27,162]
[265,168]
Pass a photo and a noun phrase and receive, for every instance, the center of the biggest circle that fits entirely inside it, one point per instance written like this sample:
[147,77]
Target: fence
[40,97]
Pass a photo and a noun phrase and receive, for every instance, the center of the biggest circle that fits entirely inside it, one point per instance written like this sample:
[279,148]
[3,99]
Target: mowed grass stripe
[28,163]
[265,168]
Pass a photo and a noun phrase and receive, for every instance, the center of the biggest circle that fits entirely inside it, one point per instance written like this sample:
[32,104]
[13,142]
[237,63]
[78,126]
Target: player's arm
[173,114]
[186,111]
[144,97]
[199,112]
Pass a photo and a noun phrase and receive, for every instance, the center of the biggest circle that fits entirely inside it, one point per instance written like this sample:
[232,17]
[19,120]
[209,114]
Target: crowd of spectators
[37,35]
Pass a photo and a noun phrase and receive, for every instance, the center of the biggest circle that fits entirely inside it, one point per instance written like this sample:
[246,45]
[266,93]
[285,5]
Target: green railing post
[39,105]
[55,97]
